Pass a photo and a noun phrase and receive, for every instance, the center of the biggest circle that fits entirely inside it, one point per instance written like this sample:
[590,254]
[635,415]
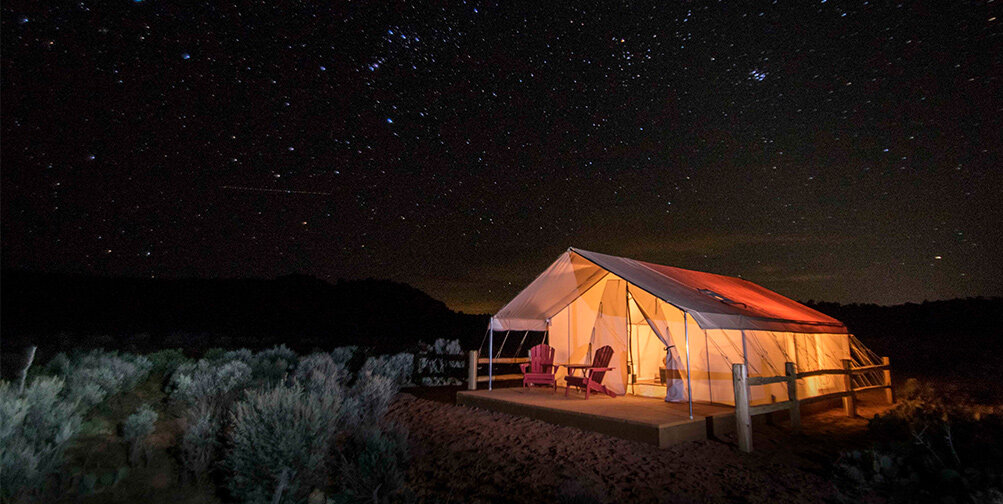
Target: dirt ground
[470,455]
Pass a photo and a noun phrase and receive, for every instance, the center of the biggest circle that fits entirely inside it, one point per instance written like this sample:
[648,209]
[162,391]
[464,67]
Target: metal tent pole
[745,351]
[491,346]
[630,352]
[689,384]
[483,340]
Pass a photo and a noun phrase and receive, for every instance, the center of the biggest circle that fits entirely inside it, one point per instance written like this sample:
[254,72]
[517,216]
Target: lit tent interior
[652,314]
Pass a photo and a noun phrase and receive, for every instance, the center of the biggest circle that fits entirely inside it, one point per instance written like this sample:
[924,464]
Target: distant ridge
[63,310]
[958,339]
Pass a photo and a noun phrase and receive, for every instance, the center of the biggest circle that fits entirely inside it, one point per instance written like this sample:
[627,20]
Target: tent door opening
[648,376]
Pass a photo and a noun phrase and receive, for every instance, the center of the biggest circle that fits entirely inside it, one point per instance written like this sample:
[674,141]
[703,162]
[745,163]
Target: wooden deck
[647,420]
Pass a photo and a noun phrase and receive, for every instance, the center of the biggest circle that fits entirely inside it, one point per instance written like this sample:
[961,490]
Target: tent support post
[484,339]
[630,350]
[689,385]
[491,346]
[745,351]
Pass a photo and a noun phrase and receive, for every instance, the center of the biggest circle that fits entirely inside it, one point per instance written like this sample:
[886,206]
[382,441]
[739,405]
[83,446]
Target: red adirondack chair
[540,369]
[592,379]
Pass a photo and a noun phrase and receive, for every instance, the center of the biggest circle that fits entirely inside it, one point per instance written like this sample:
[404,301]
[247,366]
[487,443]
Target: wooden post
[889,392]
[849,400]
[472,370]
[24,371]
[743,422]
[792,396]
[689,385]
[416,369]
[491,352]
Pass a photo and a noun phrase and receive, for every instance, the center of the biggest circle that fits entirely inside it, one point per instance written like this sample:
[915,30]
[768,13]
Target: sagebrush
[36,428]
[280,438]
[136,430]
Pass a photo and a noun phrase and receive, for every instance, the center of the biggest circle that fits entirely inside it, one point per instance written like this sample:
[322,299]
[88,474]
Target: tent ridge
[715,301]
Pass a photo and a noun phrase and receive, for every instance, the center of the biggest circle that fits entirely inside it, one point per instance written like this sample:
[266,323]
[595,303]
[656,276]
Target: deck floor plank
[642,419]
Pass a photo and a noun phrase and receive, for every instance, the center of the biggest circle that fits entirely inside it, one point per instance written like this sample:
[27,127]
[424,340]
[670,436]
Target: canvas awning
[714,301]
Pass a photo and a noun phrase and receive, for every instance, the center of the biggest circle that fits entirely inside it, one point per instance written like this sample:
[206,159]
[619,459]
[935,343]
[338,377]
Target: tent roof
[714,301]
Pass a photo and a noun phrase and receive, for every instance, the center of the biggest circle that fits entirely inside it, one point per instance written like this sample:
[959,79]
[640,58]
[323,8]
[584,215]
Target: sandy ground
[469,455]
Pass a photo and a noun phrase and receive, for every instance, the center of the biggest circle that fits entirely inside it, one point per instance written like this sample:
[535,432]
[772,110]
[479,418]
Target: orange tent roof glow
[714,301]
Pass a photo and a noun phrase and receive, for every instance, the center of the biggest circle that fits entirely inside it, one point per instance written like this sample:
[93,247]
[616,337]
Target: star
[552,102]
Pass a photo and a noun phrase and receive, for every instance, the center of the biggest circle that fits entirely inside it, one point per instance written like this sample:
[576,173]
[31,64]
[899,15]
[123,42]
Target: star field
[844,151]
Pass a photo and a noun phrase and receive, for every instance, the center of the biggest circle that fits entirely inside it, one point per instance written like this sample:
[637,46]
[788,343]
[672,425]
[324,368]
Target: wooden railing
[473,361]
[428,365]
[744,411]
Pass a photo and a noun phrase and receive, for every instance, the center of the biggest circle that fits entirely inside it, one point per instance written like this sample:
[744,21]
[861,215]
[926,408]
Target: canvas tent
[660,319]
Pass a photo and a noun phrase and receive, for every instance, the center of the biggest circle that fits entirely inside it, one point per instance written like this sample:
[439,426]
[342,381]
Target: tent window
[719,297]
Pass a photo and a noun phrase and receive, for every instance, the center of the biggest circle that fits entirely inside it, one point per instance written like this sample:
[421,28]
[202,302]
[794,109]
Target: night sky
[839,151]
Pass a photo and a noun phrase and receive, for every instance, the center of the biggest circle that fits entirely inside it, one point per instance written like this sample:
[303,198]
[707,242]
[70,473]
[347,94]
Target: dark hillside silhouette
[960,338]
[956,339]
[59,312]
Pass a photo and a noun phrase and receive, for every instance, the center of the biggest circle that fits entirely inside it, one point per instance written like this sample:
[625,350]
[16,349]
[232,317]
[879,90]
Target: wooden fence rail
[745,411]
[474,360]
[428,365]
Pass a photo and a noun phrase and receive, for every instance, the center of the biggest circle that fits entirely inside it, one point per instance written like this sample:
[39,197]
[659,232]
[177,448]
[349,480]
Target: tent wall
[600,316]
[571,329]
[611,329]
[567,279]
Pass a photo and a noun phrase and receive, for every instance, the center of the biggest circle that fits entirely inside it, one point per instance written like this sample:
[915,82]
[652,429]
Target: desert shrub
[368,400]
[396,367]
[373,466]
[342,355]
[136,430]
[213,354]
[243,355]
[59,365]
[167,361]
[929,449]
[446,347]
[200,442]
[318,371]
[274,364]
[86,395]
[216,383]
[280,439]
[208,388]
[35,429]
[95,375]
[129,369]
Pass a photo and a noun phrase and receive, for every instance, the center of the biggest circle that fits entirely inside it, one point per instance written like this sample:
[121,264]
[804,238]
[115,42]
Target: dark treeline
[60,312]
[960,339]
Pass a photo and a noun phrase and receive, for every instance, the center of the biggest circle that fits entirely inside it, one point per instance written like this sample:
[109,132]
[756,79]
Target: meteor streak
[280,191]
